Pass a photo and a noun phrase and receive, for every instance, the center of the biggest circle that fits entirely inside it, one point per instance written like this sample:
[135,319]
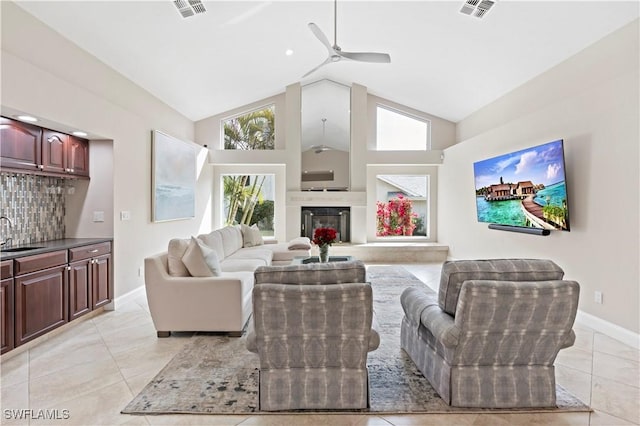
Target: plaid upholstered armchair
[489,338]
[312,330]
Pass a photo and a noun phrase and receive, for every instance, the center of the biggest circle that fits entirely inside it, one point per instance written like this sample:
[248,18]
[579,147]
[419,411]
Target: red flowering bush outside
[395,217]
[322,236]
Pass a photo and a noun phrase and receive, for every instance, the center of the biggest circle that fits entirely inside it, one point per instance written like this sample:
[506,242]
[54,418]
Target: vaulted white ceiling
[442,62]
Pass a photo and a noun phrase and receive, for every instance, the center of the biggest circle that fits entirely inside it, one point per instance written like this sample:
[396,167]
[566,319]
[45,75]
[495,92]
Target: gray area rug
[216,374]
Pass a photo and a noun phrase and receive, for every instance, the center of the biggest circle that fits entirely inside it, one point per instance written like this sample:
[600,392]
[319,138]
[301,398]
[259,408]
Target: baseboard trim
[614,331]
[127,297]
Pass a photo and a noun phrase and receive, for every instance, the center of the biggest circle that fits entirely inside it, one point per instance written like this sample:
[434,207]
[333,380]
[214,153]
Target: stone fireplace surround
[352,201]
[338,218]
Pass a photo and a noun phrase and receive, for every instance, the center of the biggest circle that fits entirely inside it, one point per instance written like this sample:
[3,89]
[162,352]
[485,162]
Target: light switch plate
[98,216]
[125,215]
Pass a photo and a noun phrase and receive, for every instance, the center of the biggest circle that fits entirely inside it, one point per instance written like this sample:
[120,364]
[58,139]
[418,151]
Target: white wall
[92,195]
[362,155]
[47,76]
[592,102]
[333,159]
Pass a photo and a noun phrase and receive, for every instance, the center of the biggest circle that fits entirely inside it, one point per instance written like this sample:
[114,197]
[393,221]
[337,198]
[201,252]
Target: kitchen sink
[15,249]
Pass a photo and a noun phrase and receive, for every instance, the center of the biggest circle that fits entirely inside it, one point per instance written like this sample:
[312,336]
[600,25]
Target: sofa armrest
[569,341]
[441,325]
[374,340]
[414,300]
[421,308]
[251,343]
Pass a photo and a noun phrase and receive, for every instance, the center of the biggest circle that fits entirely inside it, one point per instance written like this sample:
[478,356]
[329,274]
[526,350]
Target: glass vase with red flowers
[323,238]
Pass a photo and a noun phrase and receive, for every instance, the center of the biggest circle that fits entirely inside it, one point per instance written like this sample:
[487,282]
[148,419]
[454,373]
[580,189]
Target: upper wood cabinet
[54,155]
[42,151]
[20,145]
[78,156]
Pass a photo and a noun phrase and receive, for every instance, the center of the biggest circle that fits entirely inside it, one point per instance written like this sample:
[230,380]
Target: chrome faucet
[7,242]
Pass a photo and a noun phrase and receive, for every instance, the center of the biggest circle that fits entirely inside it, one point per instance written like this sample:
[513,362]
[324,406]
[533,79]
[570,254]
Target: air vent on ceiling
[477,8]
[189,8]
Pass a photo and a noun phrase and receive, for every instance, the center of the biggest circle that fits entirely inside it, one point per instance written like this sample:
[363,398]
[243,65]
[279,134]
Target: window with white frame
[249,199]
[402,205]
[399,131]
[251,130]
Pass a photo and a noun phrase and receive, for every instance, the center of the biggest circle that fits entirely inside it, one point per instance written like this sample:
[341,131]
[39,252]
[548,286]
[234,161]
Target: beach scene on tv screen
[524,188]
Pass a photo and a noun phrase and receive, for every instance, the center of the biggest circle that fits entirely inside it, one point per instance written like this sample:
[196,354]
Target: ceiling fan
[335,52]
[320,148]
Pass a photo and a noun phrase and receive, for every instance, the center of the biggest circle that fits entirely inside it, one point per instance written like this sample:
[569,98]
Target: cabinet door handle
[93,251]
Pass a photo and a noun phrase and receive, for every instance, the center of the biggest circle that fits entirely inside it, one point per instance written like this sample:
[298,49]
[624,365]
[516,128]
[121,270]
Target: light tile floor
[95,368]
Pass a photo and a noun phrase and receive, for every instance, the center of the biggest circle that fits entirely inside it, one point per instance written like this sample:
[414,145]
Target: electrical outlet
[597,297]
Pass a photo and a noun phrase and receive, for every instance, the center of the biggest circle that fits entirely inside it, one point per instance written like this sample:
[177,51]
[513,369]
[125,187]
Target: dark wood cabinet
[41,292]
[89,278]
[42,151]
[20,145]
[101,280]
[54,155]
[78,156]
[41,303]
[6,306]
[80,295]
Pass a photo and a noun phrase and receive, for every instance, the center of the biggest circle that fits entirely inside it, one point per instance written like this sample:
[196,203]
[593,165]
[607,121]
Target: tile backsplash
[35,205]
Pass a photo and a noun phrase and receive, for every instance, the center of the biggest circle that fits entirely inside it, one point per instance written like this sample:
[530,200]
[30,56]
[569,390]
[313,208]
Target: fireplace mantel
[328,198]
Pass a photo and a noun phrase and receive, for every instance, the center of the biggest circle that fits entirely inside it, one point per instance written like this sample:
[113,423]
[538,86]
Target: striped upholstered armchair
[490,336]
[312,329]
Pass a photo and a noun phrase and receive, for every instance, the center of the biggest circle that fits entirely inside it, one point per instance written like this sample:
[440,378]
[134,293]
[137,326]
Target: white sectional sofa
[179,301]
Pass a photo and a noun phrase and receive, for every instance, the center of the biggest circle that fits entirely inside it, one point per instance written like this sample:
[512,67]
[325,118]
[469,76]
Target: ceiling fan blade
[382,58]
[326,61]
[320,35]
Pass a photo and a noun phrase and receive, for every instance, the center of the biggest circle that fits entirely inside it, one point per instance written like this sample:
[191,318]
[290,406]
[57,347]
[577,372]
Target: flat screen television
[526,188]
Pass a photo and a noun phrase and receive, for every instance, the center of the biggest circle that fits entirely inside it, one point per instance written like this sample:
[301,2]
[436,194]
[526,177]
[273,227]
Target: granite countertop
[47,246]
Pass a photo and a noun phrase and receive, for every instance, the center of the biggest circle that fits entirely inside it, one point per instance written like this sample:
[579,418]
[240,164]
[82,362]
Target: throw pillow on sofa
[200,260]
[251,235]
[177,249]
[300,243]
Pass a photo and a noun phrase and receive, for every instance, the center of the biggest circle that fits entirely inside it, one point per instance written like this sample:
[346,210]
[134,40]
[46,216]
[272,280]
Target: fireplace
[338,218]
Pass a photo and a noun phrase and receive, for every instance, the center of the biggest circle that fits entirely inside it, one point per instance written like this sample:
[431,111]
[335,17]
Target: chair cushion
[454,273]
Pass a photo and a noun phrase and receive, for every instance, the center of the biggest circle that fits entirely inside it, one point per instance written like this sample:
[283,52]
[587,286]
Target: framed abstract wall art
[173,178]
